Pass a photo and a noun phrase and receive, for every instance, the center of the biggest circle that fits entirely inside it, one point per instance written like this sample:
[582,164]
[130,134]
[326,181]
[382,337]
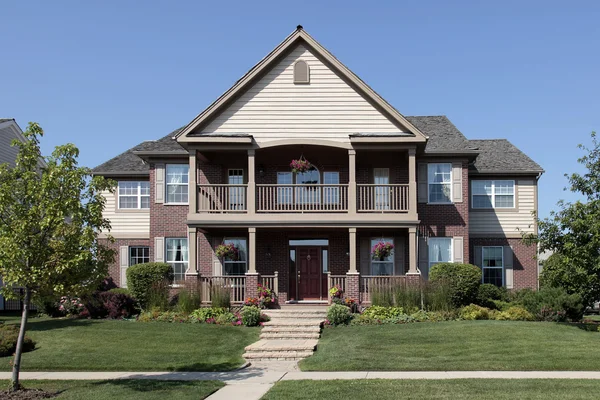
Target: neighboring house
[226,178]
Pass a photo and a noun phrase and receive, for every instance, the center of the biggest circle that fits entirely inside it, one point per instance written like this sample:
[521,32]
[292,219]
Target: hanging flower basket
[228,251]
[382,250]
[301,165]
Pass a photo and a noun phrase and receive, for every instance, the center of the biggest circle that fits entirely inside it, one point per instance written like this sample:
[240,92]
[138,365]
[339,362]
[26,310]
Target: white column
[192,258]
[192,188]
[352,181]
[252,250]
[352,237]
[412,251]
[412,182]
[251,194]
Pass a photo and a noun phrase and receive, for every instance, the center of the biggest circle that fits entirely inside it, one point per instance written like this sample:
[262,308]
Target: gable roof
[264,65]
[499,156]
[5,120]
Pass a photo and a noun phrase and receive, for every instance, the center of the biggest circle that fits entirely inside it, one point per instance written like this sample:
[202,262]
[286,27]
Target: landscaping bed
[125,389]
[456,345]
[457,389]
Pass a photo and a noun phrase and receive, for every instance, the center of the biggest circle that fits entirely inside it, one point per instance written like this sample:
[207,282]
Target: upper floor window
[301,72]
[134,195]
[177,183]
[493,194]
[439,182]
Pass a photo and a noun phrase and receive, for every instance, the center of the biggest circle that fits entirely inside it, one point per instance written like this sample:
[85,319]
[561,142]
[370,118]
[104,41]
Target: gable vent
[301,72]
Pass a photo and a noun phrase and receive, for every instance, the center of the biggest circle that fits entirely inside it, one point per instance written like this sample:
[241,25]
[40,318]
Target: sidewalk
[255,381]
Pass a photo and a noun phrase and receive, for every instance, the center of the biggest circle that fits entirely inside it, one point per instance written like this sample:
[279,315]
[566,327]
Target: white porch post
[412,251]
[352,181]
[192,258]
[192,188]
[251,193]
[251,250]
[412,182]
[352,233]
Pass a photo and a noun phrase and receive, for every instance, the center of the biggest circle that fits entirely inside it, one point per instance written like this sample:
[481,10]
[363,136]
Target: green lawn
[461,389]
[457,345]
[125,389]
[103,345]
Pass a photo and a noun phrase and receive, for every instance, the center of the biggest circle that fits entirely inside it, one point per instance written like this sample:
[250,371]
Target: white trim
[494,194]
[483,262]
[138,195]
[450,183]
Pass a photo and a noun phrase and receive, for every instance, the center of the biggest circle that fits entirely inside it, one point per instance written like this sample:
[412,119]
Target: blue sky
[108,75]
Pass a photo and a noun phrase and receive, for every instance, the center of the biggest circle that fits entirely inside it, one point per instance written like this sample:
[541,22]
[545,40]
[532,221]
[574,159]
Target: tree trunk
[15,385]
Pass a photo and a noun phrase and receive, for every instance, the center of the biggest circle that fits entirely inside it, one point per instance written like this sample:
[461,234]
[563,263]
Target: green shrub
[488,293]
[141,278]
[474,312]
[225,319]
[463,281]
[119,290]
[501,305]
[202,314]
[189,298]
[552,304]
[378,312]
[338,314]
[9,335]
[515,313]
[220,296]
[250,316]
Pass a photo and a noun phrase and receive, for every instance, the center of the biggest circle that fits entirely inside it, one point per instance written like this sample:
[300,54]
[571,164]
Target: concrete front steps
[291,334]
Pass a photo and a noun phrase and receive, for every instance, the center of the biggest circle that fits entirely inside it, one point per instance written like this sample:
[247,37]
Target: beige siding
[275,108]
[7,152]
[124,224]
[507,222]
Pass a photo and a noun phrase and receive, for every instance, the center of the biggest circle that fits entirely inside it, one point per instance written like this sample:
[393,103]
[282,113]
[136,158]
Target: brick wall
[114,269]
[524,263]
[447,220]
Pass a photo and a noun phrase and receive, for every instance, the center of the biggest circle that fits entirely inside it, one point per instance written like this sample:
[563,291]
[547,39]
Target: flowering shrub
[70,305]
[382,250]
[548,314]
[252,301]
[336,292]
[266,297]
[300,165]
[113,305]
[228,251]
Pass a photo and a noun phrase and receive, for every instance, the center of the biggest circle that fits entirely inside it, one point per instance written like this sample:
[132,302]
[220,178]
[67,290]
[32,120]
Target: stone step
[277,356]
[295,322]
[292,329]
[289,335]
[296,315]
[269,346]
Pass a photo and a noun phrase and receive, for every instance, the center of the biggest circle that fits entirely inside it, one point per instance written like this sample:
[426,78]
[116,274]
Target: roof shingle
[501,156]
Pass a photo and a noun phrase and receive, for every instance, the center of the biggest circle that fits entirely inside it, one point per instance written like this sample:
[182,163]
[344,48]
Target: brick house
[377,176]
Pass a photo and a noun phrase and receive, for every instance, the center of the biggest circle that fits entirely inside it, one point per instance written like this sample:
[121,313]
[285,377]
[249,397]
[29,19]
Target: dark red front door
[308,260]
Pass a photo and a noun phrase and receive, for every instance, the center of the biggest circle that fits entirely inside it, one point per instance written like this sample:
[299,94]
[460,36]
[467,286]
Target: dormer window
[301,72]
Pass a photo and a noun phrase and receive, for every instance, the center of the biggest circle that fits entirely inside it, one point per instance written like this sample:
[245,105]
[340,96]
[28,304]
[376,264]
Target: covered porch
[300,265]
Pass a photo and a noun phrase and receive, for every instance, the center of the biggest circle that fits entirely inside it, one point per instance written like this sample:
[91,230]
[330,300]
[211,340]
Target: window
[382,193]
[493,194]
[439,179]
[239,267]
[284,194]
[177,256]
[301,72]
[493,265]
[331,194]
[177,183]
[134,195]
[237,198]
[325,253]
[308,194]
[384,266]
[139,255]
[440,250]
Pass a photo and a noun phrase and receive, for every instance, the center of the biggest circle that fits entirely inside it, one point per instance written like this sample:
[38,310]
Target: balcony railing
[378,198]
[302,198]
[222,198]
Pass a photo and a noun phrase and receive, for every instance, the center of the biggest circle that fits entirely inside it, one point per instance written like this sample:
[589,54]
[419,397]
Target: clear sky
[107,75]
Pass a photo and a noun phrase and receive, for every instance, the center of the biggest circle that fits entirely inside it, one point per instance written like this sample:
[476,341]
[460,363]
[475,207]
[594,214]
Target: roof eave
[386,139]
[121,173]
[506,172]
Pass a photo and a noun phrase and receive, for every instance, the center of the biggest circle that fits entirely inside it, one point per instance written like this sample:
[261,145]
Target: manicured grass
[125,389]
[464,389]
[456,345]
[103,345]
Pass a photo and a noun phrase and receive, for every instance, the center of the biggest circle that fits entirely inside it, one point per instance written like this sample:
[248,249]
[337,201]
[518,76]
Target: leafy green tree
[50,218]
[572,233]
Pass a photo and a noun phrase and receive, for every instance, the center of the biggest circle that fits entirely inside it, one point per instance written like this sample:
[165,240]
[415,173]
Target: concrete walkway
[253,382]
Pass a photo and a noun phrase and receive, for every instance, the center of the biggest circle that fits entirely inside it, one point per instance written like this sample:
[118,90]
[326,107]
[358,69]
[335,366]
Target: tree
[50,218]
[572,233]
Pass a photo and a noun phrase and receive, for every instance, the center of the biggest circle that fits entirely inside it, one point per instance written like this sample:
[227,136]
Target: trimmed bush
[463,281]
[474,312]
[378,312]
[338,314]
[551,304]
[515,313]
[9,335]
[488,293]
[142,277]
[251,316]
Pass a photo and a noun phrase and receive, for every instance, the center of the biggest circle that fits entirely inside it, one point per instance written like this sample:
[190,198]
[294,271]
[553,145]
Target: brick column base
[352,286]
[413,278]
[252,285]
[192,277]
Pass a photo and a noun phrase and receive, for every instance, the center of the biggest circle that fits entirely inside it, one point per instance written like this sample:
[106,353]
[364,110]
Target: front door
[308,260]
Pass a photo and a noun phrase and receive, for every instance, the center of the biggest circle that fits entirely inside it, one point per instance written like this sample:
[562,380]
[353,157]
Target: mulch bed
[27,394]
